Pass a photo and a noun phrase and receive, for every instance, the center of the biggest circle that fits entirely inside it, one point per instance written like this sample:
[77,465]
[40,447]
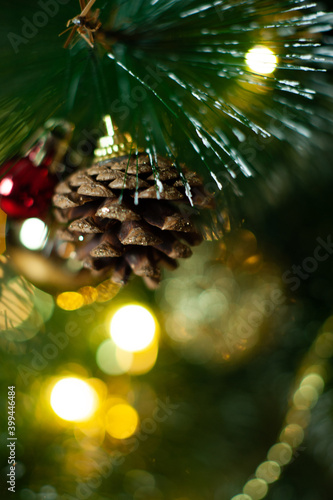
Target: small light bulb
[33,234]
[6,186]
[132,328]
[261,60]
[73,399]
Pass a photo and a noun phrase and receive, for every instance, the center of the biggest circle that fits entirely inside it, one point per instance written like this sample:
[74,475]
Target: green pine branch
[173,75]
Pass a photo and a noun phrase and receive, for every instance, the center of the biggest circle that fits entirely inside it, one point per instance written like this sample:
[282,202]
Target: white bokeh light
[261,60]
[6,186]
[73,399]
[132,328]
[33,234]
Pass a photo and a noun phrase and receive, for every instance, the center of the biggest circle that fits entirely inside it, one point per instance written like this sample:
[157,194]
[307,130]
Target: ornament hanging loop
[114,143]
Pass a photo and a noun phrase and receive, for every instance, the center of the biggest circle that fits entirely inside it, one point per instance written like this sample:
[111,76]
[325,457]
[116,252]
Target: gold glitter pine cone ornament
[123,215]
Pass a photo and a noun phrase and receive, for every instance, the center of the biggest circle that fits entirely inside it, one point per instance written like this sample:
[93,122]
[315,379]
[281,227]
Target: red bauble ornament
[25,189]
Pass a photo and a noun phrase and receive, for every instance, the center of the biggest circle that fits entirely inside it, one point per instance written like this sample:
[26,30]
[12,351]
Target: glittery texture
[125,216]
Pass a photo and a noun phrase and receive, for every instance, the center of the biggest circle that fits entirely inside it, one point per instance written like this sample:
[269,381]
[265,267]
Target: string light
[87,295]
[304,397]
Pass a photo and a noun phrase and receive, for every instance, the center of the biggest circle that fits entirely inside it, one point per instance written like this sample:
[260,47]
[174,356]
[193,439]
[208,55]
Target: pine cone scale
[112,209]
[105,249]
[84,226]
[134,233]
[168,193]
[95,189]
[64,201]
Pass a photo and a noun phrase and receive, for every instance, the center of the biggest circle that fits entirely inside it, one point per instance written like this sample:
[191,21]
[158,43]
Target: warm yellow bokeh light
[3,218]
[89,294]
[33,234]
[132,328]
[314,380]
[121,421]
[256,489]
[305,397]
[70,301]
[107,290]
[269,471]
[292,434]
[261,60]
[324,345]
[73,399]
[299,416]
[143,361]
[280,453]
